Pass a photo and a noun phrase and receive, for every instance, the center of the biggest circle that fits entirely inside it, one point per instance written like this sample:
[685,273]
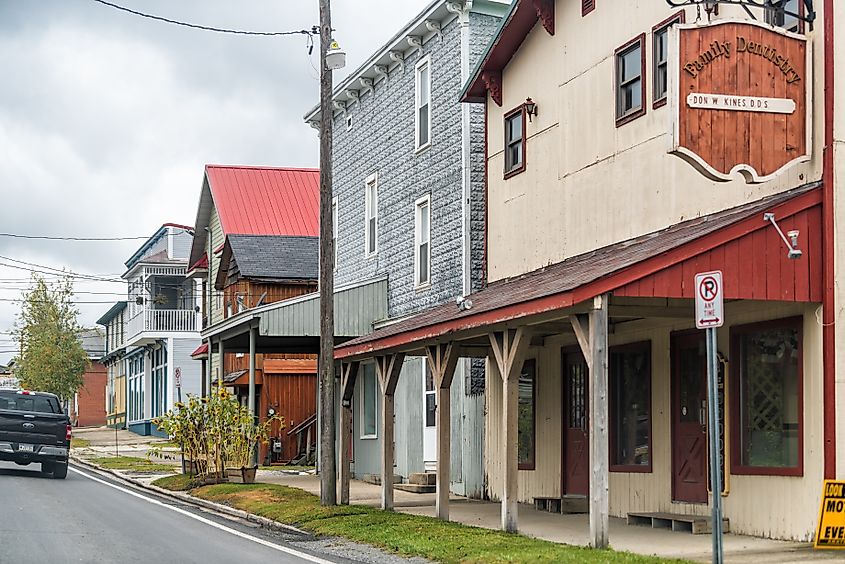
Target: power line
[205,27]
[72,238]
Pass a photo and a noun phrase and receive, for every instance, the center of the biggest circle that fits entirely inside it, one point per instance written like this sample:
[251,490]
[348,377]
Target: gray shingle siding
[381,141]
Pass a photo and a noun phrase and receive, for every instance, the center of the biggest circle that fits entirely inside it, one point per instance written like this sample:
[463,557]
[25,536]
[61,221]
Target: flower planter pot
[242,475]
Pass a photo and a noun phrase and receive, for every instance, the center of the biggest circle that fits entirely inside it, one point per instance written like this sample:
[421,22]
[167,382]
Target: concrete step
[695,524]
[423,478]
[416,488]
[376,479]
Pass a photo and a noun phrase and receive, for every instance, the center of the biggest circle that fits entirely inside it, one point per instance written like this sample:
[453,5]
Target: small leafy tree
[51,356]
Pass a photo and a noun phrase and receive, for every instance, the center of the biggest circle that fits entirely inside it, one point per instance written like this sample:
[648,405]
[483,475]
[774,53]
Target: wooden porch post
[348,375]
[442,361]
[387,368]
[253,337]
[509,349]
[222,372]
[593,343]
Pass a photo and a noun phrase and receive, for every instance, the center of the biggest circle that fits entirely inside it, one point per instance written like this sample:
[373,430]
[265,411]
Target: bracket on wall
[367,83]
[435,27]
[809,15]
[415,41]
[339,106]
[382,70]
[546,13]
[398,57]
[353,95]
[493,82]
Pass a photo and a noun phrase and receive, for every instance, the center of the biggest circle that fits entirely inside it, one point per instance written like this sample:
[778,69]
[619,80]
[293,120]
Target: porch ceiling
[656,265]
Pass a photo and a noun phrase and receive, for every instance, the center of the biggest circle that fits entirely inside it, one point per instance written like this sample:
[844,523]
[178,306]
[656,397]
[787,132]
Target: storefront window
[769,435]
[527,392]
[630,410]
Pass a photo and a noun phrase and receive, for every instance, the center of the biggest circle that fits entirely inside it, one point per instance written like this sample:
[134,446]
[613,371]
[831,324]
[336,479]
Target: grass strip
[177,483]
[76,442]
[408,535]
[130,463]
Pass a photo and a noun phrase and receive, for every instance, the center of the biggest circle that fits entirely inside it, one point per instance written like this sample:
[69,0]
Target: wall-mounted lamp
[463,303]
[530,107]
[791,243]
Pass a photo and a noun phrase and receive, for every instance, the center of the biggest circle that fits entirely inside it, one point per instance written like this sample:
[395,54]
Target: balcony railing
[162,320]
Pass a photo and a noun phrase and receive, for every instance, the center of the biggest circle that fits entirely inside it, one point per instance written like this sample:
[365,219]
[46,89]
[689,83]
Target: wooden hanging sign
[740,93]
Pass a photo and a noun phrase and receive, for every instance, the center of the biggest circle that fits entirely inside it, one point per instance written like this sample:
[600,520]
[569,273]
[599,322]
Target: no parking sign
[709,302]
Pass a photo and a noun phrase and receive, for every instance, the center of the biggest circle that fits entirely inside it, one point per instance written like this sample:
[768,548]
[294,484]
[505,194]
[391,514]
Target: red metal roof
[266,201]
[200,264]
[581,277]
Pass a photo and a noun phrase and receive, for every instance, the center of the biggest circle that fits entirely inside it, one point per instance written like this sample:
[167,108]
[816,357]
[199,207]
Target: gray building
[408,162]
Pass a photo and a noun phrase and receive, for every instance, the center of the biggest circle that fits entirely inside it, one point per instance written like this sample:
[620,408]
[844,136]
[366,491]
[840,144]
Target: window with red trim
[630,80]
[515,141]
[630,407]
[767,402]
[526,415]
[660,58]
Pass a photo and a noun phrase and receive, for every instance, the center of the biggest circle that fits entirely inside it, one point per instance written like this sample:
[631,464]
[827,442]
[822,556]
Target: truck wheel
[46,467]
[60,471]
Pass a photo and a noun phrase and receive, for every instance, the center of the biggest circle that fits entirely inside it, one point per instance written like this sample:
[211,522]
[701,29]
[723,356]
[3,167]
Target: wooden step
[695,524]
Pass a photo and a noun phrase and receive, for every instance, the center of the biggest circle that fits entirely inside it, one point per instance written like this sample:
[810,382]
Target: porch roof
[620,265]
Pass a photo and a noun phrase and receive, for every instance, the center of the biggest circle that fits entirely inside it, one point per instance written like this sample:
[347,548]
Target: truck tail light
[68,432]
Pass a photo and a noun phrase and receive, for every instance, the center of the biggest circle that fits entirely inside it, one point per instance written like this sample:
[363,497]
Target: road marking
[257,540]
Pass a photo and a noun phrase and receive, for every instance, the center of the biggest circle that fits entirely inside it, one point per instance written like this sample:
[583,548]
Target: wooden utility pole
[328,467]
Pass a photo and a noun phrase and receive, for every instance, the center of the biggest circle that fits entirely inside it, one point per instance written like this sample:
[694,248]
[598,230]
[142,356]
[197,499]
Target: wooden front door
[689,418]
[576,447]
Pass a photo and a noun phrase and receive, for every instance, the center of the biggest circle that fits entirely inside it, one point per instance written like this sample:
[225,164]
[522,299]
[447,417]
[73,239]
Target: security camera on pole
[710,314]
[331,58]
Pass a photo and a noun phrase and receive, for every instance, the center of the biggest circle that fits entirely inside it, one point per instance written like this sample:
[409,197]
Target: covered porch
[268,356]
[595,377]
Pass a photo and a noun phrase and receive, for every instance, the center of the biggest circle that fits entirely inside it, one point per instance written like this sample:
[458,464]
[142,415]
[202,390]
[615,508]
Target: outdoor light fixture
[530,107]
[463,303]
[335,57]
[791,243]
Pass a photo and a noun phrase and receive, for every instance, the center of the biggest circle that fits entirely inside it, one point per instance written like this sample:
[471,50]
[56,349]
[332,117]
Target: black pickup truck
[33,428]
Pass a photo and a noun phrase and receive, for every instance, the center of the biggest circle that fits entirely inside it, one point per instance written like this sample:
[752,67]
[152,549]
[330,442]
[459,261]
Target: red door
[576,447]
[689,417]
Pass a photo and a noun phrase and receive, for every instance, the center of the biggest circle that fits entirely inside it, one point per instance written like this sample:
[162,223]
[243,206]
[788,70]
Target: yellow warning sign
[831,533]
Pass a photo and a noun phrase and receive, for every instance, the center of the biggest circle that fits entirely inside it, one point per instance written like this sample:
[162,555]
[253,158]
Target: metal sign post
[709,314]
[177,377]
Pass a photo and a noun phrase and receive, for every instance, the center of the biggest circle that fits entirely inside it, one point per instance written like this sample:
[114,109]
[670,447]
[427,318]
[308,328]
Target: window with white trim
[369,402]
[334,231]
[422,241]
[422,104]
[371,215]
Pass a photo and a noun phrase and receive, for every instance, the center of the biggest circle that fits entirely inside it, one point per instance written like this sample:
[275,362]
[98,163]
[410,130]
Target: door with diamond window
[689,418]
[576,446]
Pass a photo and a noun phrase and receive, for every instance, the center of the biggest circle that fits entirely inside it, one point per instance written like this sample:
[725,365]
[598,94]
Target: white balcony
[150,324]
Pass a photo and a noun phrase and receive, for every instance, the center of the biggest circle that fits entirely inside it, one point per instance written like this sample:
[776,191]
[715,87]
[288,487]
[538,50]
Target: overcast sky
[106,118]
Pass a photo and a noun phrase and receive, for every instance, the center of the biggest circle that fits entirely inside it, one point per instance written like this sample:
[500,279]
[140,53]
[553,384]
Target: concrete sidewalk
[105,441]
[574,529]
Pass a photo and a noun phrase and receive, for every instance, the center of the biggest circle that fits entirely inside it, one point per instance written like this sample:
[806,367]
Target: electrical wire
[78,239]
[204,27]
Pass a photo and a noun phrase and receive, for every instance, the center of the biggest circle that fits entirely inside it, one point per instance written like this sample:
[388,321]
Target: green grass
[79,443]
[408,535]
[177,483]
[130,463]
[166,444]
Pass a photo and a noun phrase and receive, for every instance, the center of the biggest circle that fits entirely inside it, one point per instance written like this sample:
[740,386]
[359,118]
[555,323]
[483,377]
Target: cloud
[106,119]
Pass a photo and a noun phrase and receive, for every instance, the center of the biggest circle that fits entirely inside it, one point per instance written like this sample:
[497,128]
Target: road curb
[198,502]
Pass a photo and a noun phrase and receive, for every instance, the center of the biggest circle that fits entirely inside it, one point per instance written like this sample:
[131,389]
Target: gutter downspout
[466,258]
[829,272]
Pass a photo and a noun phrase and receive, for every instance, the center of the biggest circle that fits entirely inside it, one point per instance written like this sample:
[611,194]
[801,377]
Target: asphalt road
[89,518]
